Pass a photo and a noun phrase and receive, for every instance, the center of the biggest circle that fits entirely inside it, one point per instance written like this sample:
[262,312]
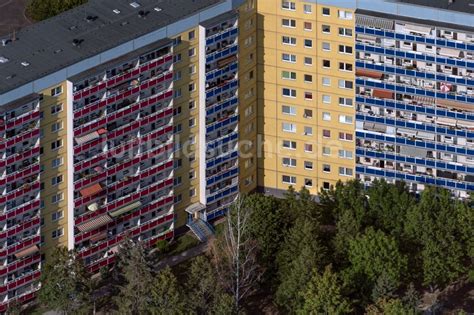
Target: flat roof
[51,45]
[465,6]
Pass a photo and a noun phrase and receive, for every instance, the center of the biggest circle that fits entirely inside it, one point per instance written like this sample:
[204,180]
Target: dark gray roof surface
[47,46]
[466,6]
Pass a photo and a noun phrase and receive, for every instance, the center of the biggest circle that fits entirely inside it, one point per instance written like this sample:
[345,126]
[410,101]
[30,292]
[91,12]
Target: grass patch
[182,244]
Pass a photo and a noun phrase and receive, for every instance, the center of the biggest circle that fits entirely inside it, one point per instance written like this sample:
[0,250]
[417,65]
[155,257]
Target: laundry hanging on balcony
[446,87]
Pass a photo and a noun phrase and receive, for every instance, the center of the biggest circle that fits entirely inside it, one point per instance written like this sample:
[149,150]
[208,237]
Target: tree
[323,295]
[134,279]
[390,307]
[201,285]
[65,285]
[234,254]
[301,253]
[267,225]
[165,295]
[42,9]
[223,305]
[374,254]
[384,287]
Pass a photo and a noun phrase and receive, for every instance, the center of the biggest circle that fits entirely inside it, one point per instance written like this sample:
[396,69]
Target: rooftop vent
[57,51]
[11,76]
[142,13]
[25,63]
[91,18]
[157,9]
[5,41]
[116,11]
[3,59]
[76,42]
[135,4]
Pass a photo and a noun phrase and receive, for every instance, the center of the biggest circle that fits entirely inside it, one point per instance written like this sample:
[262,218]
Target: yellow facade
[186,122]
[248,96]
[299,77]
[54,175]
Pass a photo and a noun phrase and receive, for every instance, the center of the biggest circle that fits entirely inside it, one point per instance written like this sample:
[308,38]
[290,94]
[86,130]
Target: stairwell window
[56,91]
[288,23]
[345,119]
[346,102]
[287,144]
[288,110]
[345,15]
[289,127]
[57,233]
[288,40]
[288,5]
[57,198]
[288,75]
[286,179]
[289,92]
[55,145]
[345,154]
[346,84]
[344,66]
[288,58]
[289,162]
[344,49]
[347,32]
[345,171]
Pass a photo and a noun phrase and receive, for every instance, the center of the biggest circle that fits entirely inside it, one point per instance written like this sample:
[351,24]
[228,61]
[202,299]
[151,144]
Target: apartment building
[142,119]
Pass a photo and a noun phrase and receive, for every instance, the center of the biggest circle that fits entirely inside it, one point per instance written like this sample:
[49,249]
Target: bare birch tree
[234,254]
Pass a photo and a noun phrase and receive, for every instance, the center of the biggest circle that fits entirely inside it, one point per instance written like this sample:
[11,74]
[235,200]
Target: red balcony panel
[114,205]
[22,156]
[95,267]
[20,210]
[23,120]
[89,163]
[87,146]
[20,282]
[167,236]
[81,201]
[133,232]
[13,249]
[20,192]
[20,264]
[164,202]
[89,181]
[35,169]
[28,135]
[22,299]
[24,226]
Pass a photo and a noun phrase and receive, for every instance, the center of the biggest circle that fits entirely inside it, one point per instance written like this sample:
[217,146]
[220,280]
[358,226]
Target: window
[178,93]
[57,233]
[308,43]
[289,92]
[287,40]
[192,122]
[308,113]
[57,162]
[192,104]
[345,154]
[345,31]
[308,182]
[308,165]
[288,179]
[178,163]
[192,52]
[345,171]
[178,128]
[57,198]
[307,8]
[56,109]
[326,29]
[308,95]
[56,91]
[177,181]
[308,61]
[177,75]
[288,58]
[288,23]
[344,101]
[289,127]
[326,168]
[326,81]
[192,69]
[326,46]
[192,192]
[345,49]
[345,136]
[344,119]
[288,5]
[288,110]
[55,127]
[308,26]
[326,64]
[326,11]
[56,180]
[177,111]
[192,87]
[192,174]
[308,78]
[308,131]
[192,35]
[326,133]
[344,66]
[287,144]
[177,58]
[326,185]
[178,198]
[345,15]
[327,99]
[288,162]
[177,41]
[326,116]
[56,144]
[55,216]
[288,75]
[345,84]
[326,151]
[308,147]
